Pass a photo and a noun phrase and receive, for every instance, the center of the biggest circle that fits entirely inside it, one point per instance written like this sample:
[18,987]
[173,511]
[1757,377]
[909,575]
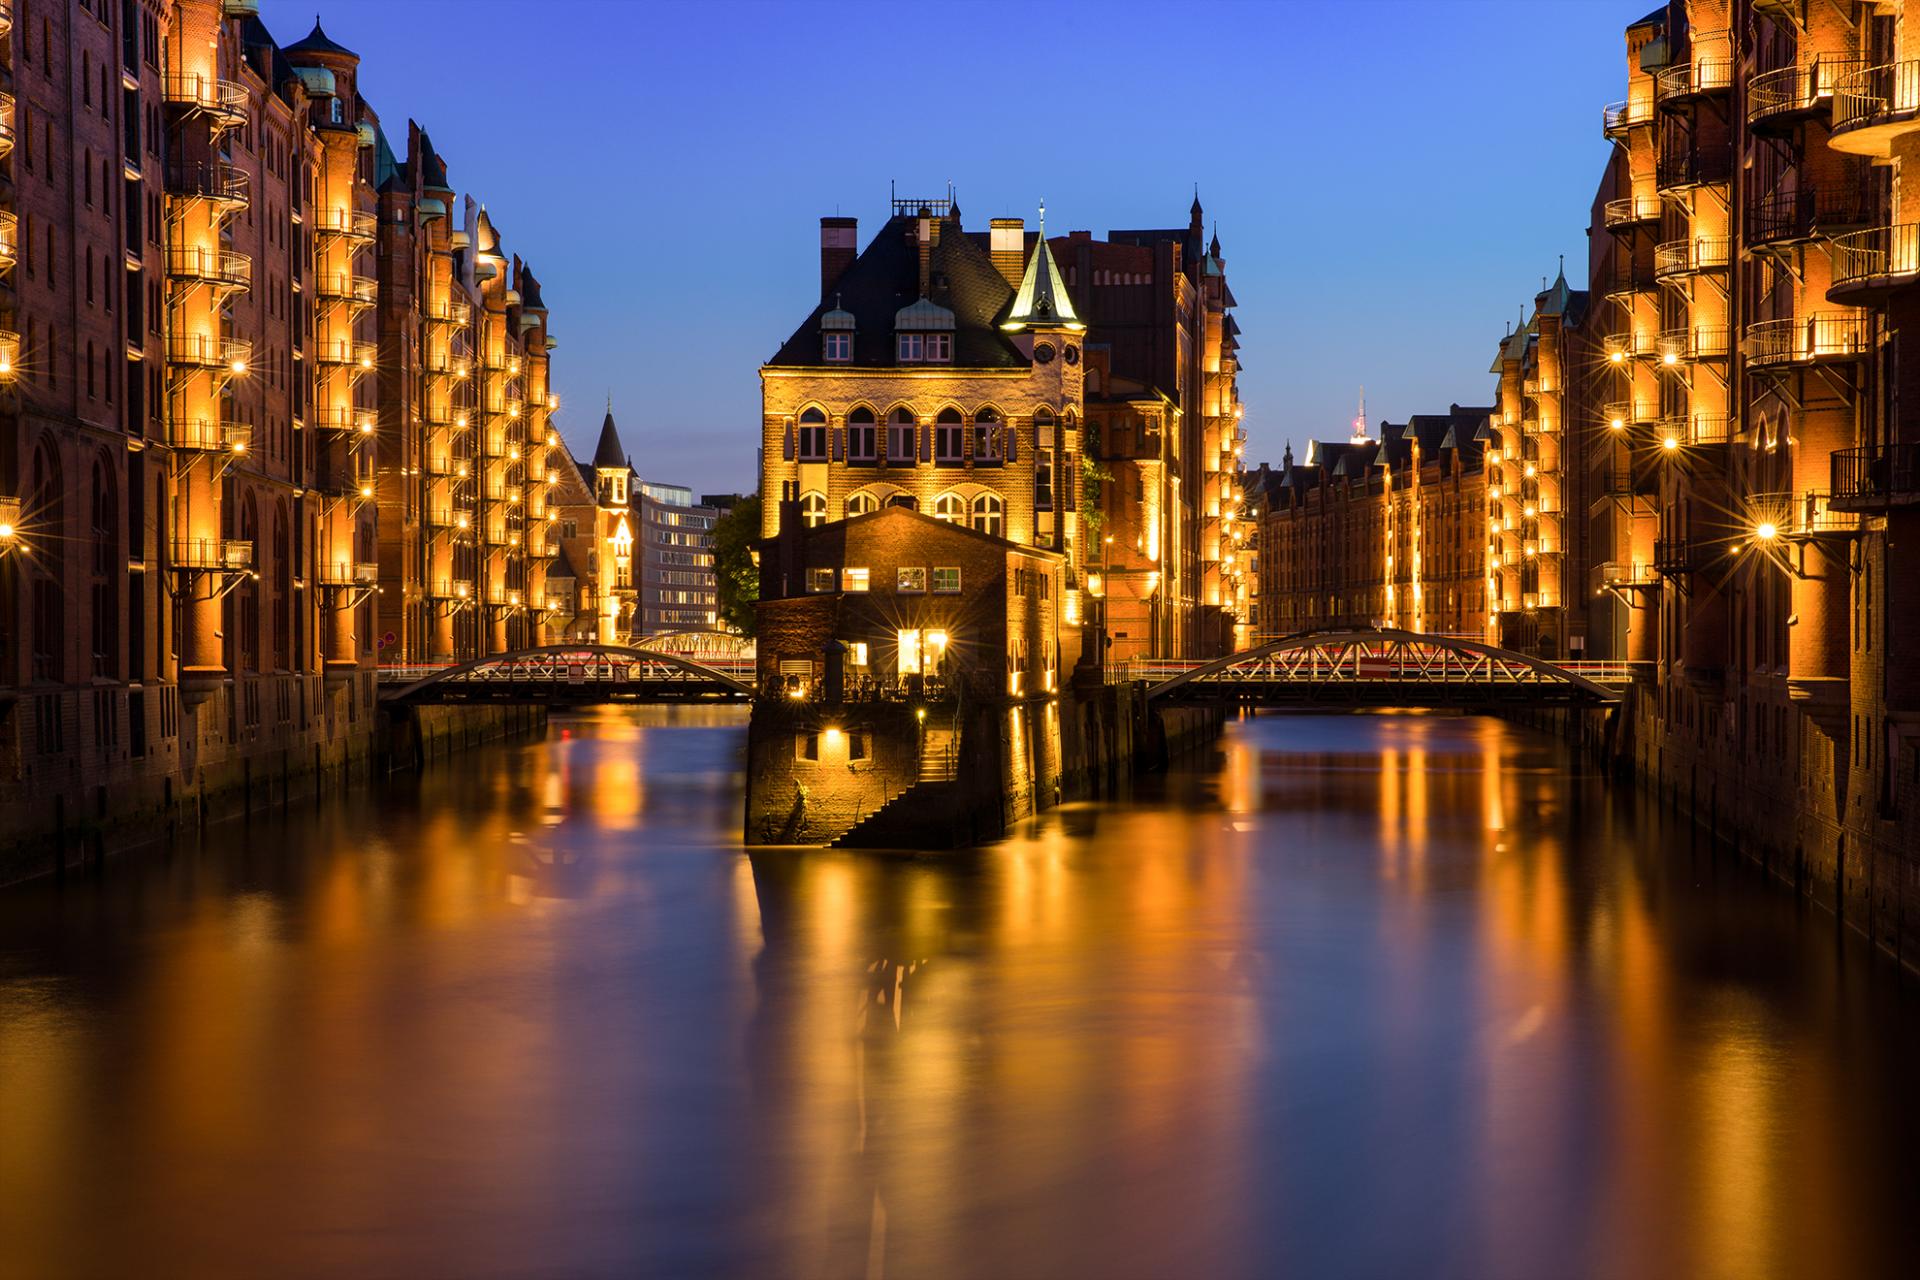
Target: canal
[1356,996]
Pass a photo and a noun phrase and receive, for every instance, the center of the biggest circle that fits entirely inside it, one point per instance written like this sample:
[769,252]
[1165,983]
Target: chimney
[839,245]
[923,235]
[1007,245]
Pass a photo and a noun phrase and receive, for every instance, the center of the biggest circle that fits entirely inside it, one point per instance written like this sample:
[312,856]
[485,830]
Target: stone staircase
[910,817]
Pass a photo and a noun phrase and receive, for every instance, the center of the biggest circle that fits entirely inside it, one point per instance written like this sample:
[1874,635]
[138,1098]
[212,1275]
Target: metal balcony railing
[9,240]
[6,123]
[1831,209]
[1809,513]
[1879,95]
[211,435]
[214,180]
[1693,430]
[1679,258]
[9,355]
[1703,165]
[1621,574]
[1876,477]
[347,420]
[202,351]
[1700,342]
[1616,118]
[1621,347]
[1778,95]
[1626,211]
[341,573]
[452,589]
[1822,336]
[349,224]
[1673,557]
[1877,258]
[210,266]
[444,467]
[452,309]
[212,553]
[1704,73]
[347,286]
[1629,276]
[223,100]
[343,354]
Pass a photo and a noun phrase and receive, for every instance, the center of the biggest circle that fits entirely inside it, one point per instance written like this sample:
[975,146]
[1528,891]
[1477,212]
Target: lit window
[819,580]
[857,653]
[950,508]
[901,430]
[989,514]
[839,346]
[1043,480]
[986,436]
[946,581]
[939,348]
[911,348]
[860,504]
[856,579]
[862,436]
[911,581]
[813,510]
[813,436]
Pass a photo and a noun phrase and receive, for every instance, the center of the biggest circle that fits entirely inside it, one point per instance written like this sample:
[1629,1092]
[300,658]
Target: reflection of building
[678,588]
[1387,532]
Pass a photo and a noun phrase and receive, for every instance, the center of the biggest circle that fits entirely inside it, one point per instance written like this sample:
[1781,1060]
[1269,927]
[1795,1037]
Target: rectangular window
[1043,480]
[806,746]
[900,442]
[949,438]
[860,442]
[939,348]
[813,442]
[857,653]
[819,580]
[856,579]
[946,581]
[911,581]
[911,347]
[839,347]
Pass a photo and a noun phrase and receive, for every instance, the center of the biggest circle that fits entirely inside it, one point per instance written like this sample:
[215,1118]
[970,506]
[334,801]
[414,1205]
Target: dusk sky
[1390,179]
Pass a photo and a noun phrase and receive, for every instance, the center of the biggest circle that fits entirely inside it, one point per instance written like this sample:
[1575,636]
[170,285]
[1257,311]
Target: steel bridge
[578,675]
[1381,668]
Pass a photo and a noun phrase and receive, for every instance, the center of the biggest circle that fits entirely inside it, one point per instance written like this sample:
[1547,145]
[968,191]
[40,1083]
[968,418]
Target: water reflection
[1361,996]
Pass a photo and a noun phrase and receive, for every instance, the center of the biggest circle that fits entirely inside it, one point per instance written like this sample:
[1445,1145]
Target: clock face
[1043,353]
[1072,355]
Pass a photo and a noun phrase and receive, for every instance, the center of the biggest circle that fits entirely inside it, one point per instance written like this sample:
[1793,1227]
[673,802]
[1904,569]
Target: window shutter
[926,444]
[786,450]
[839,443]
[1064,482]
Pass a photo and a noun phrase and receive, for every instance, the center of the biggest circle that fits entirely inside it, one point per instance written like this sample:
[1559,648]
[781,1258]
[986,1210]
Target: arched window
[862,444]
[813,436]
[813,510]
[902,427]
[862,503]
[948,438]
[46,526]
[906,500]
[989,515]
[105,595]
[986,436]
[1043,427]
[950,508]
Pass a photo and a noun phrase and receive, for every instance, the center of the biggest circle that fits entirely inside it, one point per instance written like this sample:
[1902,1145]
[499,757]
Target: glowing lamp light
[366,362]
[1671,357]
[1529,470]
[1617,356]
[796,693]
[1618,424]
[1767,531]
[831,733]
[366,491]
[1670,443]
[6,533]
[238,366]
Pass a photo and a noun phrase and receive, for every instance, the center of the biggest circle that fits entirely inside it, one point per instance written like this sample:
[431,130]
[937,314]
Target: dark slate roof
[1658,18]
[388,173]
[318,41]
[433,170]
[886,277]
[907,514]
[609,453]
[530,292]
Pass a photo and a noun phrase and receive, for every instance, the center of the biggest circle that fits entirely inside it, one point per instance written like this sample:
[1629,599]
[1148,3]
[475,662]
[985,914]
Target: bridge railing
[559,670]
[1356,663]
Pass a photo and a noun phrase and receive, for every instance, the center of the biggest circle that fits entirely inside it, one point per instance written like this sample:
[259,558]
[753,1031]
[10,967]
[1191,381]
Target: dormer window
[838,346]
[923,334]
[924,348]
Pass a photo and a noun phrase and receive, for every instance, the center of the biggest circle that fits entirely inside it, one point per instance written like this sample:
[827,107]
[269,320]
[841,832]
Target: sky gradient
[1390,178]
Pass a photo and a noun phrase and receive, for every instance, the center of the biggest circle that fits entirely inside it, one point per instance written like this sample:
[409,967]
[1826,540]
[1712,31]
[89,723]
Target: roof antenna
[609,402]
[1043,218]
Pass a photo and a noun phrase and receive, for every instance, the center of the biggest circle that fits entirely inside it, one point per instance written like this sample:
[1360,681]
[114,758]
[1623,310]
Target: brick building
[216,401]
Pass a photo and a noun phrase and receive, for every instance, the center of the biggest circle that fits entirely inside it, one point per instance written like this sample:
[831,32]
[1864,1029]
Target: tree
[733,537]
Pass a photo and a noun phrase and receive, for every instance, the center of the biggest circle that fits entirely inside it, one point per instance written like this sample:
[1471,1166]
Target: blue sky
[1391,178]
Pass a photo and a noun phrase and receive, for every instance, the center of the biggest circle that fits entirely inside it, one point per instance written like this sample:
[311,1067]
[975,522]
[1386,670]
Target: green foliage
[733,537]
[1093,512]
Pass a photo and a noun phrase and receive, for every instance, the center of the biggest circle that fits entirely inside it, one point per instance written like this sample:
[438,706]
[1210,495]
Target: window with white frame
[813,510]
[946,581]
[862,436]
[939,348]
[902,430]
[820,580]
[989,515]
[986,436]
[951,508]
[838,346]
[856,579]
[813,436]
[1043,479]
[910,581]
[860,504]
[911,348]
[949,438]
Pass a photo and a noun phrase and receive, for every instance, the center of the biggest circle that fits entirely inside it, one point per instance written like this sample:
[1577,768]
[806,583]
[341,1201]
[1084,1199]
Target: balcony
[1824,336]
[9,355]
[447,516]
[1618,415]
[1872,106]
[1876,478]
[6,125]
[1629,277]
[1618,575]
[1680,259]
[1705,73]
[1700,342]
[1628,211]
[348,224]
[340,354]
[1618,118]
[214,180]
[202,351]
[446,467]
[340,573]
[455,589]
[453,309]
[1868,265]
[496,534]
[214,267]
[357,291]
[9,240]
[1640,344]
[346,421]
[1795,217]
[1673,557]
[1692,431]
[6,19]
[211,435]
[1806,516]
[223,102]
[1782,98]
[212,553]
[1699,166]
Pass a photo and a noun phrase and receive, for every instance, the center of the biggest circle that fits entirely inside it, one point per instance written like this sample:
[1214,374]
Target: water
[1367,996]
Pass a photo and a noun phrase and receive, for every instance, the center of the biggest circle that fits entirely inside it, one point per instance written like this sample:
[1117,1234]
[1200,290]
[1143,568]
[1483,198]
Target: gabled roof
[910,514]
[1042,297]
[609,454]
[886,277]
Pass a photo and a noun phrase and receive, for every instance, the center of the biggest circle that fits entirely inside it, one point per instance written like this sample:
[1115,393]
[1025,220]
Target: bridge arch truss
[575,674]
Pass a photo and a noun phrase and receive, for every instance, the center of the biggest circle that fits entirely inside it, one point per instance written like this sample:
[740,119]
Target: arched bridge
[573,675]
[1383,668]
